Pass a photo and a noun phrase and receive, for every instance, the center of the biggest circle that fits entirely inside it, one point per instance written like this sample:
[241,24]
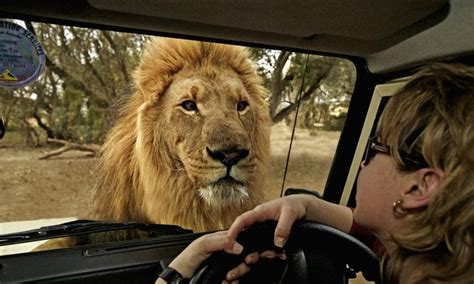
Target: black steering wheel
[316,253]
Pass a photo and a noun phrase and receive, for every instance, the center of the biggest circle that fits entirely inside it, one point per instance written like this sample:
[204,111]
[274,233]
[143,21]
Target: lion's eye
[242,105]
[189,105]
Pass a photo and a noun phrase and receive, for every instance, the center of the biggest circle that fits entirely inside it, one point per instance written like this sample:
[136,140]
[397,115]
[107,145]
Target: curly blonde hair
[433,117]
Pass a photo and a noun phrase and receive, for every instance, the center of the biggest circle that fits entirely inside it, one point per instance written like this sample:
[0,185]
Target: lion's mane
[139,175]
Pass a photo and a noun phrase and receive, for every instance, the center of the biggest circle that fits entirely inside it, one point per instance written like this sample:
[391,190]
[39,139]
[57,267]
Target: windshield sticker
[22,57]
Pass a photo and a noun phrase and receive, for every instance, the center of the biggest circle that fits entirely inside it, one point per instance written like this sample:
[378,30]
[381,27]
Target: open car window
[379,99]
[56,125]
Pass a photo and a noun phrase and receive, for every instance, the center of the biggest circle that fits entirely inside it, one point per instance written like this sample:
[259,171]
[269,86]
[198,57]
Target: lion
[191,144]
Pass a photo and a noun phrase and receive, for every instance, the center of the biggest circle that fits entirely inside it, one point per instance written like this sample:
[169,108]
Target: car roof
[390,35]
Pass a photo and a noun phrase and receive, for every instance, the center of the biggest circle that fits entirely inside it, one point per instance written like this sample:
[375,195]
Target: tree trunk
[277,76]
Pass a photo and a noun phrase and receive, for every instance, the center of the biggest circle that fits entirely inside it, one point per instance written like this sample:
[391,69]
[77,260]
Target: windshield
[56,126]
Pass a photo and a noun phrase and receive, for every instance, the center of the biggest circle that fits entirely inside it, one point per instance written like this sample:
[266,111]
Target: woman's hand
[285,210]
[251,259]
[200,249]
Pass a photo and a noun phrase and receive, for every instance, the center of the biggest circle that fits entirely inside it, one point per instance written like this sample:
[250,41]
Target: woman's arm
[288,209]
[335,215]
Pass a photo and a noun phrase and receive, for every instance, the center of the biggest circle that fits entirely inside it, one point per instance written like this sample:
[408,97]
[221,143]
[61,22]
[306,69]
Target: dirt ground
[62,186]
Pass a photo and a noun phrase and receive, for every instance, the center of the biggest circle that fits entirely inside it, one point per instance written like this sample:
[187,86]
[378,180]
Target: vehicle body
[385,40]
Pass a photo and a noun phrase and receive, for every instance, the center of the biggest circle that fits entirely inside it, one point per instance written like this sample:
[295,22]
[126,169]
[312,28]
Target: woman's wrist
[183,268]
[310,203]
[171,275]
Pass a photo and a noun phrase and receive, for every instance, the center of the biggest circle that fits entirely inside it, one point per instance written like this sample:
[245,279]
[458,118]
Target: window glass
[322,100]
[56,125]
[380,97]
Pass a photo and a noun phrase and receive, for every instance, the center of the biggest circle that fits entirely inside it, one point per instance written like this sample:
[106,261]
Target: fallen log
[68,146]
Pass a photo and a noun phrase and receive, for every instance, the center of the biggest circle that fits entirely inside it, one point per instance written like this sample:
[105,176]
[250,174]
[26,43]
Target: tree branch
[94,71]
[304,97]
[49,131]
[118,56]
[62,73]
[277,87]
[68,146]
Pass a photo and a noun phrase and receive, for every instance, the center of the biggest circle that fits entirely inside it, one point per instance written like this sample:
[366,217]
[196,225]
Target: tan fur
[154,162]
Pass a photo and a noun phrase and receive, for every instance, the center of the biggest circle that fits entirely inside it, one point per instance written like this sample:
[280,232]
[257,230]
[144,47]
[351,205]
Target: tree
[88,73]
[320,82]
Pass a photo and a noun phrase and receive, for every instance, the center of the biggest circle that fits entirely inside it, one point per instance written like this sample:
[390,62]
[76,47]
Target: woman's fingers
[251,258]
[244,221]
[217,241]
[285,210]
[263,212]
[242,268]
[237,272]
[200,249]
[283,228]
[270,254]
[278,210]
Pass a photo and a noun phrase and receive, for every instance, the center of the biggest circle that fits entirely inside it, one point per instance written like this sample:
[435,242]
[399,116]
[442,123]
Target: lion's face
[209,123]
[191,143]
[211,127]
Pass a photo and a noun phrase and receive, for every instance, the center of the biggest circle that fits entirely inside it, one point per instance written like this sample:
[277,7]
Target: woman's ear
[421,187]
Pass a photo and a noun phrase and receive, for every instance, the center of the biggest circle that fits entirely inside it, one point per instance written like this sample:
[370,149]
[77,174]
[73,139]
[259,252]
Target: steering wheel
[316,253]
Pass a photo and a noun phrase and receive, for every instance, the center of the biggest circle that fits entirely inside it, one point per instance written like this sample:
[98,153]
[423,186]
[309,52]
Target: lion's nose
[228,157]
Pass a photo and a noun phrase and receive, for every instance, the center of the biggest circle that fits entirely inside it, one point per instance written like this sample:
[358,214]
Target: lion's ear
[151,87]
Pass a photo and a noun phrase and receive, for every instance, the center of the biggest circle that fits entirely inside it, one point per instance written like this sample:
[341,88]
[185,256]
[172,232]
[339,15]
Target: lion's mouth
[225,191]
[227,180]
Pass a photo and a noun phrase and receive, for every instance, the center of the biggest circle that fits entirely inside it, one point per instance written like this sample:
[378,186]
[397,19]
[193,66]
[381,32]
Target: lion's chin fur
[222,193]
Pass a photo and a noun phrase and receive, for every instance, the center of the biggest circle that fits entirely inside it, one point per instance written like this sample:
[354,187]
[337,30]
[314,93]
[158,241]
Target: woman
[415,188]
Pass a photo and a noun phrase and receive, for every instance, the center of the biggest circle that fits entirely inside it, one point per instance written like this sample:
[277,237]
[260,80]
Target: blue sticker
[22,57]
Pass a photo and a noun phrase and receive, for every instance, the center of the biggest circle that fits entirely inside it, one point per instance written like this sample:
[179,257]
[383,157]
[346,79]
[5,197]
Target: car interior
[386,41]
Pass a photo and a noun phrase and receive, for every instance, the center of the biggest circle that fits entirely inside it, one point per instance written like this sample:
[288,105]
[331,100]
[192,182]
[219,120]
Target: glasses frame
[373,147]
[411,162]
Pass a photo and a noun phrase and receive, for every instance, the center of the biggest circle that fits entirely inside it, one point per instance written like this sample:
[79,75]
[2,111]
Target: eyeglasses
[411,162]
[374,147]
